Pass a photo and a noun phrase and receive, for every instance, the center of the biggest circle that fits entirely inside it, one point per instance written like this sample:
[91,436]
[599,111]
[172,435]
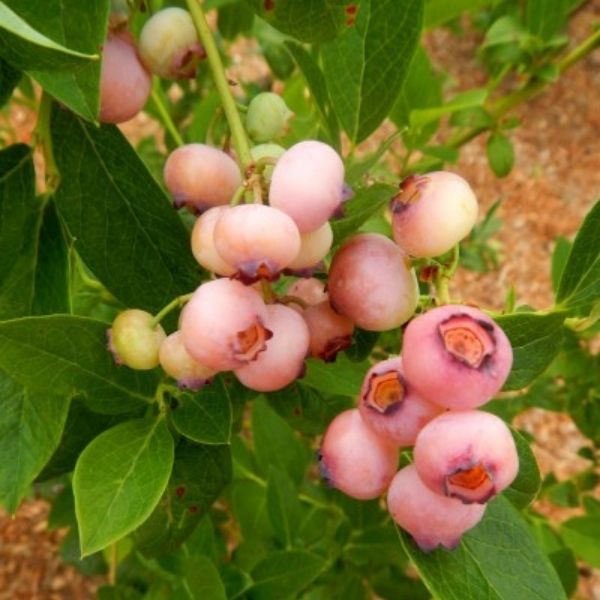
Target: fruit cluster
[454,359]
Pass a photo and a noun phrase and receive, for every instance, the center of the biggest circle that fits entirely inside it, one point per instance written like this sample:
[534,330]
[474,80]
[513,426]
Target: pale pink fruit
[134,340]
[258,241]
[456,356]
[330,332]
[371,282]
[203,243]
[314,247]
[310,290]
[223,325]
[356,460]
[307,184]
[177,362]
[390,405]
[169,44]
[283,360]
[124,82]
[199,176]
[432,213]
[469,455]
[431,519]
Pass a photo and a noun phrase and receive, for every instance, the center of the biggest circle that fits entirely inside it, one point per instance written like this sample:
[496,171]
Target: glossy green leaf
[341,377]
[500,153]
[275,443]
[318,87]
[581,534]
[535,339]
[200,473]
[9,78]
[68,355]
[20,221]
[523,490]
[365,66]
[579,285]
[497,560]
[307,409]
[285,573]
[283,507]
[307,21]
[58,42]
[205,416]
[118,480]
[202,580]
[365,203]
[562,247]
[122,223]
[31,423]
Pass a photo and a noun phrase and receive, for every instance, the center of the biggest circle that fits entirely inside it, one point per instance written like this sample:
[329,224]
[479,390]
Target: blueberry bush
[232,355]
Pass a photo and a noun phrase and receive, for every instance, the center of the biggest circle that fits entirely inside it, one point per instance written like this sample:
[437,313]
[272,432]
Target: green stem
[175,303]
[44,139]
[165,117]
[444,275]
[238,133]
[504,105]
[112,567]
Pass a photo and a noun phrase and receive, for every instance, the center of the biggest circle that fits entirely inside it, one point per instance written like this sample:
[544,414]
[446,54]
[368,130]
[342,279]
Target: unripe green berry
[134,341]
[267,117]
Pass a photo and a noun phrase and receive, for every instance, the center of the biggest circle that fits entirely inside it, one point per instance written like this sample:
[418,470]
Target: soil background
[555,181]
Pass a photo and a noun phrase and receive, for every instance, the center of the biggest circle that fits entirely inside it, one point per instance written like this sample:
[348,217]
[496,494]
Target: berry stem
[504,105]
[444,275]
[44,140]
[163,113]
[177,302]
[238,133]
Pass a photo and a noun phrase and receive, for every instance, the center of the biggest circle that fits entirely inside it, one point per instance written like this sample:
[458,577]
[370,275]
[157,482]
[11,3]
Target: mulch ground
[554,183]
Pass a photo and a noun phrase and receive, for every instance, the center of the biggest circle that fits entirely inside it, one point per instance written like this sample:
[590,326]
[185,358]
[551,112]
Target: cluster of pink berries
[455,359]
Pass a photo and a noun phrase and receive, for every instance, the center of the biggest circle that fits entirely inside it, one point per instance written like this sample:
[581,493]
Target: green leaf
[579,285]
[535,339]
[497,560]
[422,88]
[500,153]
[81,427]
[122,223]
[205,416]
[341,377]
[31,423]
[9,78]
[543,18]
[307,21]
[52,267]
[469,99]
[438,12]
[20,220]
[200,473]
[118,480]
[235,18]
[58,43]
[202,580]
[307,409]
[249,506]
[372,547]
[562,247]
[68,355]
[581,534]
[366,65]
[365,203]
[285,573]
[283,507]
[34,261]
[318,88]
[275,443]
[523,490]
